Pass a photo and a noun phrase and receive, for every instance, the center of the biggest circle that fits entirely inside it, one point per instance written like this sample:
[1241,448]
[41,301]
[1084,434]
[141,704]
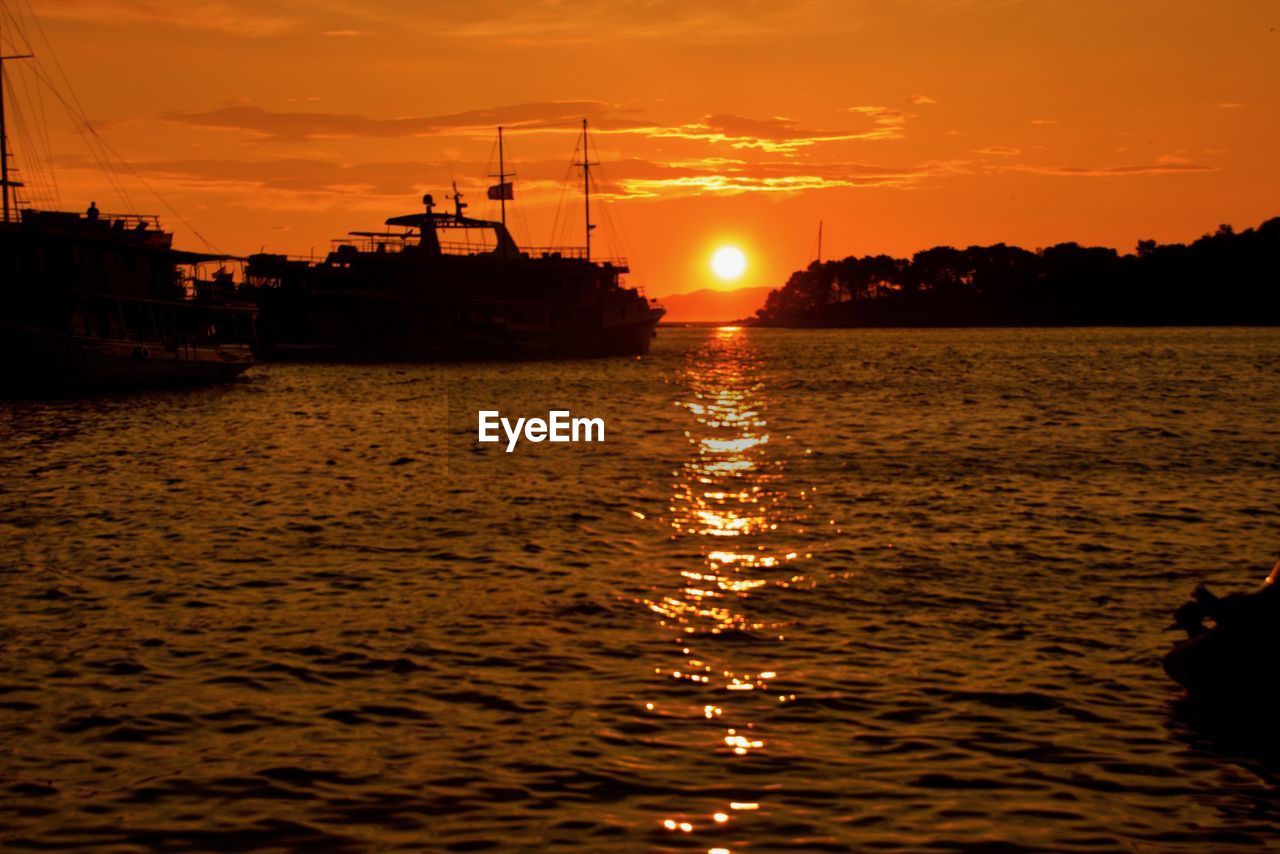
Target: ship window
[467,241]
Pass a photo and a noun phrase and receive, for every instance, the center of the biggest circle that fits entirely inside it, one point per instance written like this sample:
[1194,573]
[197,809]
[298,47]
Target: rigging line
[95,146]
[42,75]
[612,233]
[73,107]
[286,241]
[161,199]
[487,206]
[53,54]
[38,166]
[564,188]
[106,146]
[605,205]
[514,209]
[33,189]
[615,235]
[30,176]
[43,125]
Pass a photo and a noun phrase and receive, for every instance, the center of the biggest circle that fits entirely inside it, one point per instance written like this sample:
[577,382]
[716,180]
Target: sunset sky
[900,125]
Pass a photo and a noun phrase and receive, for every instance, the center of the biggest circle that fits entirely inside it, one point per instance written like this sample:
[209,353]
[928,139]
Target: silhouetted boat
[96,301]
[106,304]
[1231,662]
[446,286]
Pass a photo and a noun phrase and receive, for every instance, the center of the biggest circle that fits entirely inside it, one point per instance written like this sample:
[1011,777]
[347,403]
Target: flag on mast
[505,190]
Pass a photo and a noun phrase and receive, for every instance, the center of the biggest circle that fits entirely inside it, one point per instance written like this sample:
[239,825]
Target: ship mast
[5,183]
[819,241]
[586,165]
[502,189]
[502,178]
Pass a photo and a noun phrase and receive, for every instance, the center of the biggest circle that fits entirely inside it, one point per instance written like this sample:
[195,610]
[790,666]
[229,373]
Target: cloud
[999,150]
[1160,167]
[775,134]
[921,99]
[384,187]
[885,117]
[220,15]
[298,126]
[554,22]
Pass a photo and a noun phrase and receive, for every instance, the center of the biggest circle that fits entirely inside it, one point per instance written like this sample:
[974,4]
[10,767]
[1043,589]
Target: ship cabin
[116,276]
[121,255]
[440,249]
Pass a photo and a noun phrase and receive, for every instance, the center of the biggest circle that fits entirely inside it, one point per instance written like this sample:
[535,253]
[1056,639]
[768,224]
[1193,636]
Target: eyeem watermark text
[558,426]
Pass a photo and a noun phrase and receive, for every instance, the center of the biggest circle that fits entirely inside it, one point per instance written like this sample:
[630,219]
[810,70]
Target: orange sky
[901,125]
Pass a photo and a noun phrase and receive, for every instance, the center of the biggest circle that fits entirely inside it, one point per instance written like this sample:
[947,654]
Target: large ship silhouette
[441,286]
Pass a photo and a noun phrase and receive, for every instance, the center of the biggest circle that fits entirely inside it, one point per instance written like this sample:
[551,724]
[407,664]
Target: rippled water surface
[817,591]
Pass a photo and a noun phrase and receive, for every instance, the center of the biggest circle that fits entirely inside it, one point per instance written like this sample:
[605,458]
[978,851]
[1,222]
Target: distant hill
[708,305]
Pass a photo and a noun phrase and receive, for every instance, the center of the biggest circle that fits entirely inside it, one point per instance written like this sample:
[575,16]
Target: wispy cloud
[283,182]
[775,134]
[220,15]
[1156,168]
[553,22]
[297,126]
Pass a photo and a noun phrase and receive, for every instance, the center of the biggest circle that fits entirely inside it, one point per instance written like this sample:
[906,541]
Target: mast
[5,183]
[586,165]
[819,241]
[502,178]
[503,192]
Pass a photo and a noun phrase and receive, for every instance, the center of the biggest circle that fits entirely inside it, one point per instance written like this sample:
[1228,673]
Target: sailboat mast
[502,178]
[819,241]
[4,146]
[586,165]
[586,185]
[5,183]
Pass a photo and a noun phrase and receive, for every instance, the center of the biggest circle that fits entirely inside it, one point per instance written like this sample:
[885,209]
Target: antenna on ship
[5,183]
[458,204]
[586,165]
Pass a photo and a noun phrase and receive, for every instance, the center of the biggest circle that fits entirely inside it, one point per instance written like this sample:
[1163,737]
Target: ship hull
[45,363]
[624,340]
[358,327]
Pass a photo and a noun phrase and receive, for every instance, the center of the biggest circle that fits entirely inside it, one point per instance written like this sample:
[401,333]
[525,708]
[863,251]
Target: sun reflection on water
[731,502]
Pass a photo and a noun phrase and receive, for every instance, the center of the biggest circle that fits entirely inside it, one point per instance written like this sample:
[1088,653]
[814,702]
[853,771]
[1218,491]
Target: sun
[728,263]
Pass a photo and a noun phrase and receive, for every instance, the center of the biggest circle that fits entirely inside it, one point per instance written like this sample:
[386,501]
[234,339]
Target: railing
[574,252]
[368,243]
[132,221]
[395,244]
[129,220]
[466,247]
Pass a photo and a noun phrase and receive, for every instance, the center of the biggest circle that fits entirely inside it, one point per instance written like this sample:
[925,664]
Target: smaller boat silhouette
[95,301]
[106,303]
[1234,660]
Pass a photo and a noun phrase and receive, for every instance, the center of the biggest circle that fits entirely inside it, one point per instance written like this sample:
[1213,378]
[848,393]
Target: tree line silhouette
[1227,277]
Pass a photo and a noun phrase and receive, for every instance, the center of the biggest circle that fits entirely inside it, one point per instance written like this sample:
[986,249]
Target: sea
[845,590]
